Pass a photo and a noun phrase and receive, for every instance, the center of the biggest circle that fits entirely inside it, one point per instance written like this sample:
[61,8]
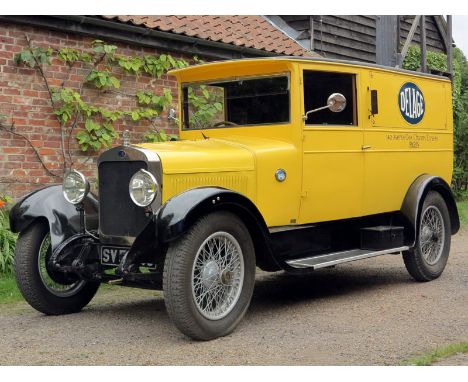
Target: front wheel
[427,260]
[47,291]
[209,276]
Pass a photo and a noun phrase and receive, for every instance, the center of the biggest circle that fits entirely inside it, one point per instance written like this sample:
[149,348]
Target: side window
[318,86]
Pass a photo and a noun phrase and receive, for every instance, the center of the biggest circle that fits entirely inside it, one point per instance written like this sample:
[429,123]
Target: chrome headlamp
[143,188]
[75,187]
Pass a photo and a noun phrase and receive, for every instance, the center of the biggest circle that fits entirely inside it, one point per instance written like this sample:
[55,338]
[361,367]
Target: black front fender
[178,214]
[49,204]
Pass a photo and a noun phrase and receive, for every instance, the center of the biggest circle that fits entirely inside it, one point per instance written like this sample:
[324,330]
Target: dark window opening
[318,86]
[242,102]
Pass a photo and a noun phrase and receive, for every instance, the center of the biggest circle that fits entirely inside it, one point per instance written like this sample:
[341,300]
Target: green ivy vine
[96,124]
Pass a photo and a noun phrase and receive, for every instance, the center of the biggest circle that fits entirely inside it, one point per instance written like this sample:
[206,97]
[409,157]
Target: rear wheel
[209,276]
[45,290]
[428,258]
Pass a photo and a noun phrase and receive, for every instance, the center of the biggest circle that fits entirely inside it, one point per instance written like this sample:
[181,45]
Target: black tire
[177,278]
[32,286]
[416,263]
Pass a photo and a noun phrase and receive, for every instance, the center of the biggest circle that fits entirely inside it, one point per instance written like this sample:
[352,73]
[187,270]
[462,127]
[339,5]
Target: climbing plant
[93,126]
[204,104]
[438,61]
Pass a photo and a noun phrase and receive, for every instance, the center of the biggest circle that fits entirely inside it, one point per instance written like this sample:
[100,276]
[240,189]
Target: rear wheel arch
[414,199]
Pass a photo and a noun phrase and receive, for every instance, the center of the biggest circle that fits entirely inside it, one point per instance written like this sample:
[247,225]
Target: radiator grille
[118,215]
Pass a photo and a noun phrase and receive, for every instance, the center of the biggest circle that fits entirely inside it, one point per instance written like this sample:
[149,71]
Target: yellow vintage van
[288,163]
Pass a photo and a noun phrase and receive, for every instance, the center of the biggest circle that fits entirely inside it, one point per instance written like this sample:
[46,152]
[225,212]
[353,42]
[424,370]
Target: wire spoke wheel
[209,276]
[58,289]
[432,235]
[217,275]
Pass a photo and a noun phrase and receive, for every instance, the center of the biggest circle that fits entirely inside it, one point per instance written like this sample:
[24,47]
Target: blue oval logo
[411,103]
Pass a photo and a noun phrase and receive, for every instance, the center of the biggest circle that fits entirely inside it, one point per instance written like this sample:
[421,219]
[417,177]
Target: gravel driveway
[364,313]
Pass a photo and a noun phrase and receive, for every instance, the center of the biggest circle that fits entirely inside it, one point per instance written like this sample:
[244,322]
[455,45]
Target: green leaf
[115,82]
[90,125]
[109,49]
[102,80]
[96,145]
[82,137]
[135,115]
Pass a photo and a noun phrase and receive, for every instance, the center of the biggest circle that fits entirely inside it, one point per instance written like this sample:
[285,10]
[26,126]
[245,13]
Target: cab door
[333,159]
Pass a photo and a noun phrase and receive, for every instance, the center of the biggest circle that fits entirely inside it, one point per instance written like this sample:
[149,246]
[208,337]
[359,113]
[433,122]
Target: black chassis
[76,245]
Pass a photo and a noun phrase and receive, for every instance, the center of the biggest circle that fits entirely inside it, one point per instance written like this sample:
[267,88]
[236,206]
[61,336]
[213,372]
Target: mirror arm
[313,111]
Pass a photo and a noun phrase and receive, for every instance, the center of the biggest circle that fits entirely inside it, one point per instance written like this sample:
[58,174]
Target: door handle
[366,147]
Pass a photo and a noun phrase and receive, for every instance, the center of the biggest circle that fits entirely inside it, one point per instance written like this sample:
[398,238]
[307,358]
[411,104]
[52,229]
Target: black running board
[322,261]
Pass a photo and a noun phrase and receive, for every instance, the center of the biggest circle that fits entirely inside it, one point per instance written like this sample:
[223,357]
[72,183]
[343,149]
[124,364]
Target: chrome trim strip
[329,259]
[284,228]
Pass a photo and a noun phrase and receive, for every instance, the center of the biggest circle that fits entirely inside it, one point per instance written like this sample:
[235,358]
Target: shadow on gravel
[275,291]
[281,289]
[134,308]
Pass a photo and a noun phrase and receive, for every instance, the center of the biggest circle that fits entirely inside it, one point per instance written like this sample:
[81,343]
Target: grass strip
[9,292]
[463,212]
[438,354]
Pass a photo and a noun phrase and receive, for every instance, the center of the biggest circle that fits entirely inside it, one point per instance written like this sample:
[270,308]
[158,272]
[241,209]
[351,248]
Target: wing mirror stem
[336,103]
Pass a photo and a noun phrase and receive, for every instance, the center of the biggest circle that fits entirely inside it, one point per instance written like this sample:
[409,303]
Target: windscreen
[240,102]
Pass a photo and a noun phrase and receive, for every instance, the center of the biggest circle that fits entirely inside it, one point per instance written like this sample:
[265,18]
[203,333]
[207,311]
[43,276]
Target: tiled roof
[247,31]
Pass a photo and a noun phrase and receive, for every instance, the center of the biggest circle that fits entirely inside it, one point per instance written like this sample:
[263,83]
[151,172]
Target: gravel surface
[364,313]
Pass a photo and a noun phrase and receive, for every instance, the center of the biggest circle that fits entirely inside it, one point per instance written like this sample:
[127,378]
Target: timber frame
[447,40]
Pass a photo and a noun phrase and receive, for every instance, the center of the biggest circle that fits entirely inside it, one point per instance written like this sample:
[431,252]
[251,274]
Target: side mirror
[336,103]
[172,115]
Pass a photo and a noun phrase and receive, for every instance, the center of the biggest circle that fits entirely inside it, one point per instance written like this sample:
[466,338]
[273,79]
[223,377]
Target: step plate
[330,259]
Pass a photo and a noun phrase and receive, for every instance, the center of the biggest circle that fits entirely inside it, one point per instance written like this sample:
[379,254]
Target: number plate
[112,255]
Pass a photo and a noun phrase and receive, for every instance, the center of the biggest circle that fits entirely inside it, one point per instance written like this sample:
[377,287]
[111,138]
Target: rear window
[242,102]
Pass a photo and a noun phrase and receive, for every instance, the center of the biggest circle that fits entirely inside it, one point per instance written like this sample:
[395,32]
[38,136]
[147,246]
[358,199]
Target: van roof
[310,59]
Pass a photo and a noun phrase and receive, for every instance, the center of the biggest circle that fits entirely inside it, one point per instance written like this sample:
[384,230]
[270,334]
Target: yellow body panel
[400,151]
[333,172]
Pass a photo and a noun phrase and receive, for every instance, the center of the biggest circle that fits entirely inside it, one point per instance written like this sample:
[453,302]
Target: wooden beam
[442,32]
[398,35]
[402,55]
[422,29]
[311,29]
[449,48]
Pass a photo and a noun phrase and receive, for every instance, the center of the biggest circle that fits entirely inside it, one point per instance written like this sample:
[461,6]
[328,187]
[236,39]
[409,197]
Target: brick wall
[24,100]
